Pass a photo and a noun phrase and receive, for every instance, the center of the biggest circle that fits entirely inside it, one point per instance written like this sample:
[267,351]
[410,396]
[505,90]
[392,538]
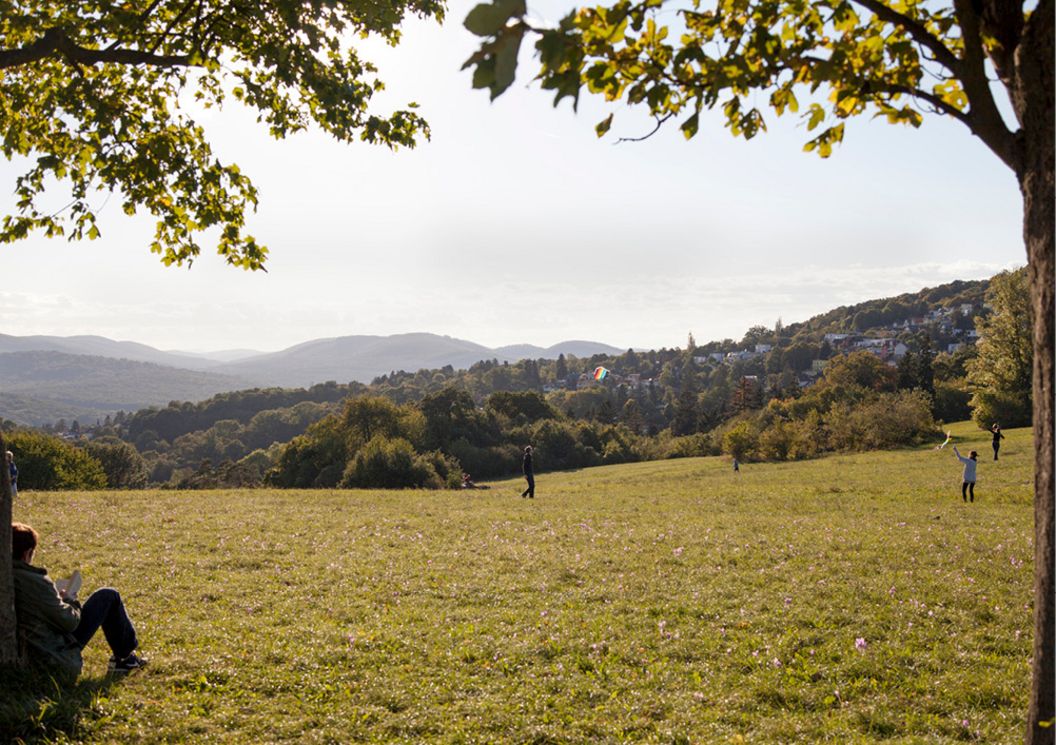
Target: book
[70,586]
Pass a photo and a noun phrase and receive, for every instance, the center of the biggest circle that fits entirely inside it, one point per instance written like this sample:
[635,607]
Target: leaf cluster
[102,95]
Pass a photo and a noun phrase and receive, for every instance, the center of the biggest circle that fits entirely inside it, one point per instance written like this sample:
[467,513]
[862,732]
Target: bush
[49,463]
[740,441]
[951,401]
[886,421]
[122,463]
[390,464]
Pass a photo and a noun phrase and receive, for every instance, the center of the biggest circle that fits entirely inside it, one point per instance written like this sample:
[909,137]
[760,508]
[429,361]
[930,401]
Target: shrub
[122,463]
[888,420]
[390,464]
[740,441]
[951,401]
[48,463]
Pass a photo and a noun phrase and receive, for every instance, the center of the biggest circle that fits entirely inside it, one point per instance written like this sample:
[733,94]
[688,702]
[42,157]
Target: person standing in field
[968,482]
[12,469]
[529,473]
[996,429]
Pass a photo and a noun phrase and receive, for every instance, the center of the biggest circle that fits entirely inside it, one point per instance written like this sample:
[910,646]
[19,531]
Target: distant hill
[880,313]
[100,346]
[580,349]
[363,358]
[39,387]
[44,378]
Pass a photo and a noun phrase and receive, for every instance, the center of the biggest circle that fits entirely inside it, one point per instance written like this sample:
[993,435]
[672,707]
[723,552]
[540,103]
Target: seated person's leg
[105,608]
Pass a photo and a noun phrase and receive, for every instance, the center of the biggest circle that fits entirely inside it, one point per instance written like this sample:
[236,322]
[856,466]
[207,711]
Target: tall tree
[95,94]
[900,60]
[1000,372]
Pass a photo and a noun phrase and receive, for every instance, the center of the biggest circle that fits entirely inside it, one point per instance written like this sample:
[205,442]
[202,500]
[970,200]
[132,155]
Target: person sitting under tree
[56,627]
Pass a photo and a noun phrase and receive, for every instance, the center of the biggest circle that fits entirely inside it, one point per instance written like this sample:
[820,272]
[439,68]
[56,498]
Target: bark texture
[1033,100]
[8,636]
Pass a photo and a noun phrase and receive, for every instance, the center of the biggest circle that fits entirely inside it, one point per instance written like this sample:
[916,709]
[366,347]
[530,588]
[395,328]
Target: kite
[600,373]
[945,443]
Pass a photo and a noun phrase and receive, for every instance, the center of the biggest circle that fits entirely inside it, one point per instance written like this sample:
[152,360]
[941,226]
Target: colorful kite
[600,373]
[945,443]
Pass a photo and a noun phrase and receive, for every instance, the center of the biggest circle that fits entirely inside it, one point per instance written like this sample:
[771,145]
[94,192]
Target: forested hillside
[787,392]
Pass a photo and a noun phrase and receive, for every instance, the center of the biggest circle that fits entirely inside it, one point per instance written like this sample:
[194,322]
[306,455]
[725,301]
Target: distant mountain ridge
[43,378]
[363,358]
[42,386]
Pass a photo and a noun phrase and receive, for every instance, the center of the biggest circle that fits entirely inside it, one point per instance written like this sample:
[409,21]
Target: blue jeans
[105,608]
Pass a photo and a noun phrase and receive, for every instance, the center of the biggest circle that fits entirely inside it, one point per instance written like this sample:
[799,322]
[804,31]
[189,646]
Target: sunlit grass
[848,599]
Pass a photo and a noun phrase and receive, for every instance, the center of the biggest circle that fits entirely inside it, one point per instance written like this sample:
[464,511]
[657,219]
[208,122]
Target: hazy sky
[516,224]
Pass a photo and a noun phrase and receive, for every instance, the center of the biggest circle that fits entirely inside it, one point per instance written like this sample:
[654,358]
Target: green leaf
[507,47]
[487,19]
[603,126]
[689,127]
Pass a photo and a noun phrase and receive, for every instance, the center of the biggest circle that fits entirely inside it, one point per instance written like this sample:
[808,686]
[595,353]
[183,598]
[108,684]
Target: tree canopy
[827,60]
[1000,374]
[102,96]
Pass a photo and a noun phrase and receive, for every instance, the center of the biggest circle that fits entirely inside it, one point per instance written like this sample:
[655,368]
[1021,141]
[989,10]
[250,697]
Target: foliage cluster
[47,462]
[1001,375]
[375,442]
[856,405]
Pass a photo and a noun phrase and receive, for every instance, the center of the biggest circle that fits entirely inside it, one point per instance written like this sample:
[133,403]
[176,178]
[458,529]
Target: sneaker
[127,664]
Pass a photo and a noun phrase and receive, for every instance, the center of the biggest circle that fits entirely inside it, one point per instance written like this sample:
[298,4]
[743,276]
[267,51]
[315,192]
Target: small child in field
[968,483]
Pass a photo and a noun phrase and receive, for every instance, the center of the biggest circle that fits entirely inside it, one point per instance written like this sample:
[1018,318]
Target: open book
[71,585]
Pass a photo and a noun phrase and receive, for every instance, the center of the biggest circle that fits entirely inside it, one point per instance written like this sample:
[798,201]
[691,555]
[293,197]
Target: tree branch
[938,103]
[56,40]
[917,30]
[985,120]
[659,123]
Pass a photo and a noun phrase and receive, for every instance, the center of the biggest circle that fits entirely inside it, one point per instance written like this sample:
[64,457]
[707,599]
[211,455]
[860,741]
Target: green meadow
[853,598]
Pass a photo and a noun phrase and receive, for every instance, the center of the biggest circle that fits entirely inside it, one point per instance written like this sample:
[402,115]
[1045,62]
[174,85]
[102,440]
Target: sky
[516,224]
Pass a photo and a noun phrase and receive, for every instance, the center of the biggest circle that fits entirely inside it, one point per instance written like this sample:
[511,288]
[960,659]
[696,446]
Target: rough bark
[1033,99]
[8,637]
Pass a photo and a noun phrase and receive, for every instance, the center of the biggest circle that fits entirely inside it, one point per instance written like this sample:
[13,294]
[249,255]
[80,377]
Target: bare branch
[659,123]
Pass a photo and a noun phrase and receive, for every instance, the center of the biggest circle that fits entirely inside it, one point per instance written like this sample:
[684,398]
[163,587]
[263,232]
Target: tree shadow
[40,705]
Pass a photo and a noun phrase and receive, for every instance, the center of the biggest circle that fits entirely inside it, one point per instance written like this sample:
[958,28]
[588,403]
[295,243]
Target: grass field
[849,599]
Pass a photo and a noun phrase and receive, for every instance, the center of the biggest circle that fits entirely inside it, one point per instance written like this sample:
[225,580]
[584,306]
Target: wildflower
[788,602]
[860,644]
[775,662]
[678,551]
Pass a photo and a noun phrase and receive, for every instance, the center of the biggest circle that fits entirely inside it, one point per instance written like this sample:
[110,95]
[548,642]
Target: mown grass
[655,602]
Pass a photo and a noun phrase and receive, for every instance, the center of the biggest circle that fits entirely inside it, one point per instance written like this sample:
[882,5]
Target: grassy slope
[660,602]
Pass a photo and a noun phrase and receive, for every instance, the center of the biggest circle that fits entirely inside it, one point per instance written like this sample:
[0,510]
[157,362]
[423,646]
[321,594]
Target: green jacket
[45,620]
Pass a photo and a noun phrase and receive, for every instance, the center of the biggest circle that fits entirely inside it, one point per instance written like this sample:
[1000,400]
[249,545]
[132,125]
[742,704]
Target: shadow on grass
[38,705]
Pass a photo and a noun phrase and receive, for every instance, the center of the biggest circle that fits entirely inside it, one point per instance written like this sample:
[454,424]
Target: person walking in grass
[55,626]
[996,429]
[968,483]
[529,473]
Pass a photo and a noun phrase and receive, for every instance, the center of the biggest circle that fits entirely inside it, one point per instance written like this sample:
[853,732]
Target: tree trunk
[1034,104]
[8,636]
